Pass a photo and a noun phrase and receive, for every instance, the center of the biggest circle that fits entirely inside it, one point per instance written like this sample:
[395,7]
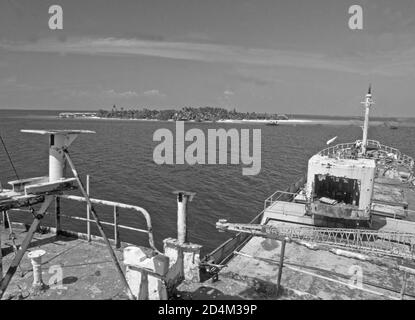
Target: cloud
[153,93]
[362,64]
[127,94]
[114,94]
[255,80]
[9,80]
[228,93]
[206,52]
[11,83]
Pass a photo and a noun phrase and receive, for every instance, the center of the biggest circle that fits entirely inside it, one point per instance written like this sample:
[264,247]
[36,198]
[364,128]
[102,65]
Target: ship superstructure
[353,210]
[350,185]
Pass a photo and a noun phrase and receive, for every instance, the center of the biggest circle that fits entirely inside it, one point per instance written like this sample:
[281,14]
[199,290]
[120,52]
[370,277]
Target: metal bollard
[36,258]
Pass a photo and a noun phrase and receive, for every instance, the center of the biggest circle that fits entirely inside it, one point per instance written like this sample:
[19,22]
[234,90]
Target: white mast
[367,103]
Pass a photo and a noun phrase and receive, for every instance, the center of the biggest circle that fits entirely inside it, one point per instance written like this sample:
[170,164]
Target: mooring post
[184,257]
[182,198]
[116,232]
[88,211]
[36,259]
[58,215]
[283,242]
[181,218]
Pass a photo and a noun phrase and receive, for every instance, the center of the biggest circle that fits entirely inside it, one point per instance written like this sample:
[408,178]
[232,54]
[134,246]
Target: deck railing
[279,196]
[400,157]
[114,224]
[287,195]
[226,250]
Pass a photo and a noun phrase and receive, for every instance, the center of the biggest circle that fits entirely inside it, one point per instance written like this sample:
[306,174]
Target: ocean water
[119,160]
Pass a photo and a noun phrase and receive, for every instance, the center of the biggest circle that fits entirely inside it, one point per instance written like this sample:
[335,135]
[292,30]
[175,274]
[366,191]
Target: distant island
[212,114]
[184,114]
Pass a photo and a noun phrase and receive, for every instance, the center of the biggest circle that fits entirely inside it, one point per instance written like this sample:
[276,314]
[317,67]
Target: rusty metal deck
[307,274]
[87,269]
[252,271]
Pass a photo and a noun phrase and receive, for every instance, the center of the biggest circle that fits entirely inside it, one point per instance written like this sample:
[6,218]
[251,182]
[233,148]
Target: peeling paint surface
[87,270]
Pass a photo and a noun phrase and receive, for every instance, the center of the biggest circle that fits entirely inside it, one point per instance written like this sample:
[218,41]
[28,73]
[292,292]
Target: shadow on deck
[72,269]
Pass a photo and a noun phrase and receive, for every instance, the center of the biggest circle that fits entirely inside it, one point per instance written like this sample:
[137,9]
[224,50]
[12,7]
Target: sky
[296,56]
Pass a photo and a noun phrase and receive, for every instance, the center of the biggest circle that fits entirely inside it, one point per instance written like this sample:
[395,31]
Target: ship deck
[251,273]
[87,269]
[307,274]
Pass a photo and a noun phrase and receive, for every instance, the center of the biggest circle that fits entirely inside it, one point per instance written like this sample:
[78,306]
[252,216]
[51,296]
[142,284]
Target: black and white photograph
[208,155]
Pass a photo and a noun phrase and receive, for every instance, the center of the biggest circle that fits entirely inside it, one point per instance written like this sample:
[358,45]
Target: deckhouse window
[344,190]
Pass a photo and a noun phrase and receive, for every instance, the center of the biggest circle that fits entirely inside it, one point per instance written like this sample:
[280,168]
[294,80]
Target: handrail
[144,212]
[227,249]
[400,157]
[270,200]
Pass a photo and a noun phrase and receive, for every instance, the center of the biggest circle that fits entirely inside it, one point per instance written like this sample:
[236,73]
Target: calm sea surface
[119,159]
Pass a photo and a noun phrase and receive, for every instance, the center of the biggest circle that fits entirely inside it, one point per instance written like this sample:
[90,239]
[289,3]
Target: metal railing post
[6,224]
[283,242]
[116,232]
[404,281]
[58,215]
[88,211]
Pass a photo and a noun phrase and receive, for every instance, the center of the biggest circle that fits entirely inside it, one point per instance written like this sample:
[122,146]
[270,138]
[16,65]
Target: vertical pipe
[403,285]
[283,242]
[365,126]
[181,218]
[367,103]
[88,211]
[116,232]
[58,215]
[56,157]
[5,220]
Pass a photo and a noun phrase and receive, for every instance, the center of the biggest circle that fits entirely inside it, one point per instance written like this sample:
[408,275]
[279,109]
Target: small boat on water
[272,123]
[391,125]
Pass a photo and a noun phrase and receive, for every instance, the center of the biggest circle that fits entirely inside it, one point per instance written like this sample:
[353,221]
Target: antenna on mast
[367,103]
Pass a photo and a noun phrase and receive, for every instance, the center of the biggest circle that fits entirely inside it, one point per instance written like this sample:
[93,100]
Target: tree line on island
[187,114]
